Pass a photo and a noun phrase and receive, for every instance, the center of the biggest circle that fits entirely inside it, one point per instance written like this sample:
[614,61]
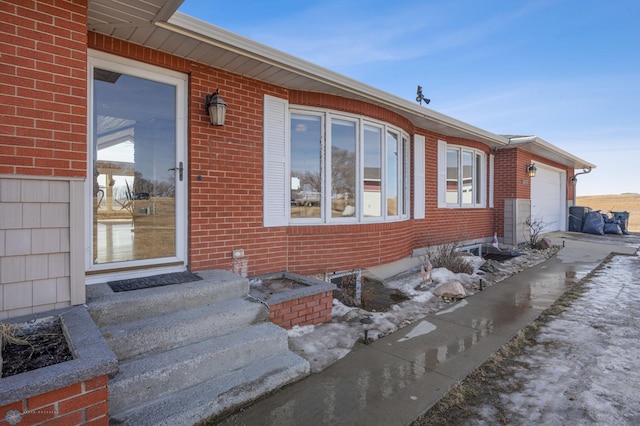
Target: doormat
[154,281]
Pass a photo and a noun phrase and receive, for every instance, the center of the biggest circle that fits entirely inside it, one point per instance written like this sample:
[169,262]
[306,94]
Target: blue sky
[567,71]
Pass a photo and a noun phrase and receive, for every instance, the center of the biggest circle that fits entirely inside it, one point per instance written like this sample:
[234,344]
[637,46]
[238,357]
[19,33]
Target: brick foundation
[309,310]
[83,403]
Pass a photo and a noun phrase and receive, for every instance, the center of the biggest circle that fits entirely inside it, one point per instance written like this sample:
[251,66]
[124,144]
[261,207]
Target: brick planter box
[69,393]
[309,302]
[82,403]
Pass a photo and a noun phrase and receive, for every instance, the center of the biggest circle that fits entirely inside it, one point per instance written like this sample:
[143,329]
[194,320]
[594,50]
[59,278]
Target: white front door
[137,173]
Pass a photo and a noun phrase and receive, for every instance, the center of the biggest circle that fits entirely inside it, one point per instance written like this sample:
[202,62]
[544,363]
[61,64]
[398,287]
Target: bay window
[344,169]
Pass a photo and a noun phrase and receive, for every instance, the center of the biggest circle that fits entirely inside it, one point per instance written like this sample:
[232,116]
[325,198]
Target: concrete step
[150,335]
[165,373]
[215,395]
[108,308]
[187,351]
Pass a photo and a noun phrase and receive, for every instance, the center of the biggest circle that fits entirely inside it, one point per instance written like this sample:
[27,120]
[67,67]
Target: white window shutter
[418,177]
[276,190]
[491,180]
[442,174]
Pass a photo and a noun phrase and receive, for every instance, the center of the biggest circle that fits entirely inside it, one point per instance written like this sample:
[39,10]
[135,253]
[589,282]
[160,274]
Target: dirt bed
[33,347]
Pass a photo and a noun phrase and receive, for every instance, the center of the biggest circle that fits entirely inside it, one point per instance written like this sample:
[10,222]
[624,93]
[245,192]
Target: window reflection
[343,168]
[372,171]
[393,157]
[306,166]
[452,176]
[134,147]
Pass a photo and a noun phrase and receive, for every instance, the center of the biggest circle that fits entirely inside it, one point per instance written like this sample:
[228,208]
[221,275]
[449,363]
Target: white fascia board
[205,32]
[551,150]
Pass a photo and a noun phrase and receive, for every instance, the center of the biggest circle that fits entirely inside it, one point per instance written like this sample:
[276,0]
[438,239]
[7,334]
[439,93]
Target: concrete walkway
[397,378]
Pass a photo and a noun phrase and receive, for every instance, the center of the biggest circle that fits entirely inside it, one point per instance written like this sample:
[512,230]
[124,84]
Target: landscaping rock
[450,290]
[544,244]
[491,266]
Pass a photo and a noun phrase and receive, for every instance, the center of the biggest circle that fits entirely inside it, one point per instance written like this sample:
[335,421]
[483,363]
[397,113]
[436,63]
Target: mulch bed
[44,345]
[499,257]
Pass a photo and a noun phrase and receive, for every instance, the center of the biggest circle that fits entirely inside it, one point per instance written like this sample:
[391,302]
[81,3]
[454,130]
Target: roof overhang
[539,146]
[157,24]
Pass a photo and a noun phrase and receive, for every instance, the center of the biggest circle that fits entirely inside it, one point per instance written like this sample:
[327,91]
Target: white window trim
[323,130]
[406,169]
[442,177]
[382,128]
[97,59]
[401,174]
[359,126]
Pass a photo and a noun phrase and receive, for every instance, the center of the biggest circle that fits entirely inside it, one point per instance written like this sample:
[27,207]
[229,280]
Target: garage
[548,198]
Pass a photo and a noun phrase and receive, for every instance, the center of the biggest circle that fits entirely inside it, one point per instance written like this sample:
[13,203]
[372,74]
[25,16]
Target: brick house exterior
[45,168]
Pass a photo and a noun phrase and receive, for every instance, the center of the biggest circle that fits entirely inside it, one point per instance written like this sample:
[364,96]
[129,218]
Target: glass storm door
[139,177]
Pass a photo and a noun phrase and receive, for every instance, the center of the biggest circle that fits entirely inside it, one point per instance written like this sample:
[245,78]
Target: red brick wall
[455,224]
[512,180]
[225,183]
[309,310]
[43,95]
[323,100]
[226,204]
[508,182]
[84,403]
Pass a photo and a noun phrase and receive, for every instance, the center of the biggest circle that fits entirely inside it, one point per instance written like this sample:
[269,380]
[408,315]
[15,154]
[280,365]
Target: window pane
[343,168]
[134,209]
[372,171]
[452,176]
[467,177]
[479,187]
[306,166]
[393,157]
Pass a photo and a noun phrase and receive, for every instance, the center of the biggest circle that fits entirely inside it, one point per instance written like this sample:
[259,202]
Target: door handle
[179,169]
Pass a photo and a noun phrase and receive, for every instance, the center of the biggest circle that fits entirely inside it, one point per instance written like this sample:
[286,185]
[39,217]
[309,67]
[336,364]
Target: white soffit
[539,146]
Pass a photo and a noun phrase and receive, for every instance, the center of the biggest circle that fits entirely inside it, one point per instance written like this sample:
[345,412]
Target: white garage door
[548,198]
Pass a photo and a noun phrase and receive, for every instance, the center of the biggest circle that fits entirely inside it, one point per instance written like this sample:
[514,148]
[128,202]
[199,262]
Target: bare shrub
[11,335]
[447,256]
[535,225]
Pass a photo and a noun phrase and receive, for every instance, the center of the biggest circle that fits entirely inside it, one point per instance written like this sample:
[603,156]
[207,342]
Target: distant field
[617,203]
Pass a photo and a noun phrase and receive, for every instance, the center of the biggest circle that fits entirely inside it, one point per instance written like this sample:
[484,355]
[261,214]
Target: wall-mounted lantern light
[573,180]
[216,108]
[531,169]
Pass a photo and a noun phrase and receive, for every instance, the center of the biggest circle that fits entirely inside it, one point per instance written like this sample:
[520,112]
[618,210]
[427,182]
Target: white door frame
[138,268]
